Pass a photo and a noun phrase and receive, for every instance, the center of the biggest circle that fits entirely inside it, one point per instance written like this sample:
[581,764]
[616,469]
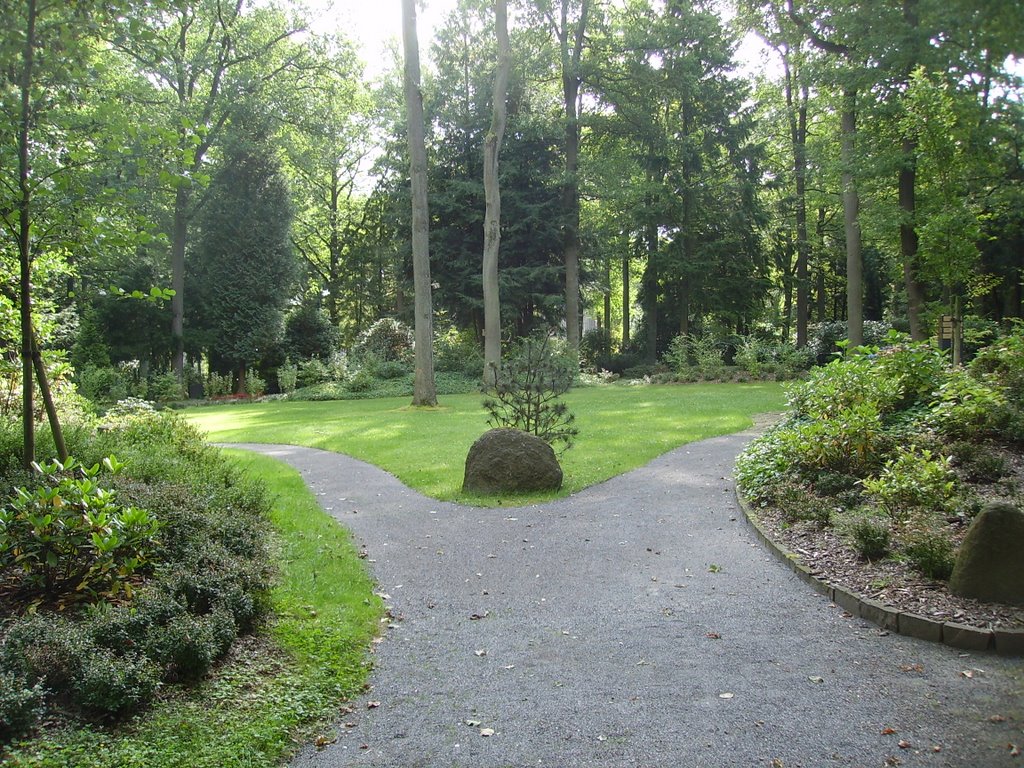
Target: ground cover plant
[289,676]
[883,459]
[620,428]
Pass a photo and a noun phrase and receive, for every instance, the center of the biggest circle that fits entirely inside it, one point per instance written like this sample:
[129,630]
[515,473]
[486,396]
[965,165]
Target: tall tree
[492,193]
[244,267]
[424,389]
[568,23]
[202,58]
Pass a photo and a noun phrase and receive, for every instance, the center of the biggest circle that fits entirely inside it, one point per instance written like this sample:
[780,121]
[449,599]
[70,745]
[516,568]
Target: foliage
[255,385]
[388,340]
[69,539]
[912,482]
[218,384]
[20,704]
[184,589]
[929,549]
[758,357]
[702,352]
[965,406]
[287,376]
[872,538]
[309,333]
[528,391]
[165,387]
[457,351]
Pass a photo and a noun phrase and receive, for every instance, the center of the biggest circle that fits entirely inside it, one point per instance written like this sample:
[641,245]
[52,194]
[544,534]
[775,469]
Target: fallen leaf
[715,568]
[364,746]
[888,731]
[322,741]
[478,616]
[776,763]
[486,732]
[726,695]
[912,668]
[473,723]
[1014,750]
[893,760]
[350,725]
[937,748]
[372,704]
[997,719]
[480,652]
[815,679]
[713,636]
[903,744]
[509,666]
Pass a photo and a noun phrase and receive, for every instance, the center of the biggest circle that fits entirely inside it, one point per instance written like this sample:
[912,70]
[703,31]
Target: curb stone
[1005,642]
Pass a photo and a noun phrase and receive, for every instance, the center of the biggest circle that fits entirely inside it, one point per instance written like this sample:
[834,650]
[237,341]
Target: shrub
[69,538]
[458,352]
[916,369]
[527,393]
[20,704]
[967,407]
[833,390]
[255,385]
[930,551]
[165,388]
[978,462]
[109,685]
[287,376]
[872,538]
[388,339]
[702,352]
[309,333]
[914,481]
[102,385]
[218,384]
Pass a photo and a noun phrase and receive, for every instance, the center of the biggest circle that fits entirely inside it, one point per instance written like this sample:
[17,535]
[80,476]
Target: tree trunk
[492,196]
[650,280]
[51,408]
[28,422]
[179,233]
[626,300]
[851,224]
[424,389]
[571,81]
[908,240]
[802,243]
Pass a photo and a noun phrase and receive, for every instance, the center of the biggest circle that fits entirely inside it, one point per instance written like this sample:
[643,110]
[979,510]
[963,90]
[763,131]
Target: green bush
[218,385]
[533,377]
[964,406]
[977,461]
[931,552]
[165,388]
[914,481]
[702,352]
[288,377]
[917,369]
[20,704]
[832,391]
[458,352]
[102,385]
[387,339]
[255,385]
[68,538]
[109,685]
[872,538]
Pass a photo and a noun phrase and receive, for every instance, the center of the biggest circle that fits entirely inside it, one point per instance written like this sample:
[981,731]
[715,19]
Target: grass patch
[272,686]
[621,428]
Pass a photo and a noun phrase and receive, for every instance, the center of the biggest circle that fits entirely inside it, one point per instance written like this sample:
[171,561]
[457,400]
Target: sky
[372,23]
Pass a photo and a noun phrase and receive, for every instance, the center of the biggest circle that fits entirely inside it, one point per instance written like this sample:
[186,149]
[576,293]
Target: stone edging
[1005,642]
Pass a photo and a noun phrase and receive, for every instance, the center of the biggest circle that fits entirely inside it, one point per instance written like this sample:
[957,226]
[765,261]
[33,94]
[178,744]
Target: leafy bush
[218,384]
[69,539]
[930,551]
[967,407]
[702,352]
[102,385]
[165,388]
[20,704]
[872,538]
[287,376]
[387,339]
[912,482]
[835,389]
[977,461]
[917,369]
[825,338]
[111,685]
[255,385]
[526,394]
[309,333]
[458,352]
[759,357]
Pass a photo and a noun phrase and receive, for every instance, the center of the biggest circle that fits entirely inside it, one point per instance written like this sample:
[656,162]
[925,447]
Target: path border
[1004,642]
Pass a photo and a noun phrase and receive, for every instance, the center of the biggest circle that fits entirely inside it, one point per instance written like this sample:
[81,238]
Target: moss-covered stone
[511,461]
[990,566]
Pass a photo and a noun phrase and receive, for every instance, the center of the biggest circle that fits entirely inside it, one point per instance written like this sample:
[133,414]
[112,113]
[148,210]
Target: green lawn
[621,428]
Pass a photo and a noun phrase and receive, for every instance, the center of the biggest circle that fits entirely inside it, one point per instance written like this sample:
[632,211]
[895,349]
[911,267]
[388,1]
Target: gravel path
[635,624]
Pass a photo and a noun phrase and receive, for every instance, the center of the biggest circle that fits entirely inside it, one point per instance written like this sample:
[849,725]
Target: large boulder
[990,565]
[511,461]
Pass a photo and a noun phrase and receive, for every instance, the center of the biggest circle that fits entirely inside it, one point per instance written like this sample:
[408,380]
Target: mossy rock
[990,565]
[511,461]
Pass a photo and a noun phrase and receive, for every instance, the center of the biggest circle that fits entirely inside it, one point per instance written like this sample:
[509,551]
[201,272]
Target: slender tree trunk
[492,196]
[571,81]
[909,240]
[424,389]
[650,280]
[802,242]
[51,408]
[626,299]
[606,337]
[179,233]
[851,224]
[25,244]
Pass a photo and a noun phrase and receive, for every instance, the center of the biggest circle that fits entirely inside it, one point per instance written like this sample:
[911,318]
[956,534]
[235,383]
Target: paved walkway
[635,624]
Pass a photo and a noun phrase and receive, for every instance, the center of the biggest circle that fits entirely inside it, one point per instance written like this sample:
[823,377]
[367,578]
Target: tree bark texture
[424,389]
[851,224]
[492,197]
[25,244]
